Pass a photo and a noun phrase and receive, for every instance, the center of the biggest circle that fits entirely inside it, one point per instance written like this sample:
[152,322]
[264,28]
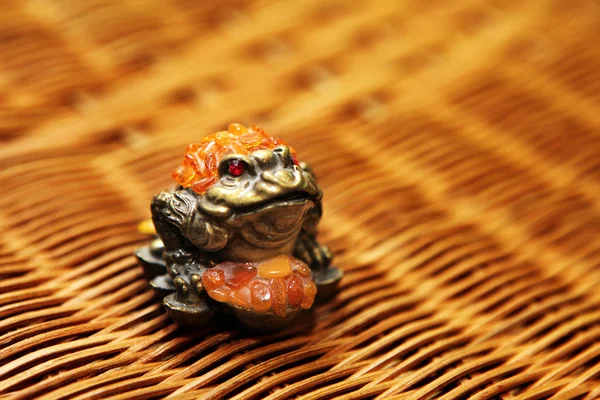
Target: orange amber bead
[223,138]
[251,140]
[201,185]
[295,291]
[185,174]
[241,297]
[210,147]
[301,268]
[267,143]
[238,275]
[259,130]
[278,296]
[234,148]
[193,161]
[220,294]
[310,290]
[211,164]
[213,278]
[260,296]
[193,147]
[277,267]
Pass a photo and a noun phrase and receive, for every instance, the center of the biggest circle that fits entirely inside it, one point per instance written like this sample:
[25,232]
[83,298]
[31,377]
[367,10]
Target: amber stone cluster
[278,285]
[200,164]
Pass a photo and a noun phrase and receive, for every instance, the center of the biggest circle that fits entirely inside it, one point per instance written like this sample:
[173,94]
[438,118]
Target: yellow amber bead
[146,227]
[237,129]
[277,267]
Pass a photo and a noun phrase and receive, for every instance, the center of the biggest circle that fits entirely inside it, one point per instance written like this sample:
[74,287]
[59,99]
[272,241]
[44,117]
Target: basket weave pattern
[457,144]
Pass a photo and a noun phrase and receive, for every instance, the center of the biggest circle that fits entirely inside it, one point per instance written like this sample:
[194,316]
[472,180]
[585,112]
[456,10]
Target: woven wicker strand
[457,143]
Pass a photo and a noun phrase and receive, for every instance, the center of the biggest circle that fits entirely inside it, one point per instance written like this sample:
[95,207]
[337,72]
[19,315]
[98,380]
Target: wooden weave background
[458,145]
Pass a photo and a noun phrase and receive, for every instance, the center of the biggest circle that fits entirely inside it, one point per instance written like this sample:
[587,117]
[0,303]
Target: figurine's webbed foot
[152,263]
[327,281]
[187,313]
[162,285]
[151,259]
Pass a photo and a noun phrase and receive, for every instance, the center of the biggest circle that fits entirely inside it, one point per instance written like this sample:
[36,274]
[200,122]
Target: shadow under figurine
[238,235]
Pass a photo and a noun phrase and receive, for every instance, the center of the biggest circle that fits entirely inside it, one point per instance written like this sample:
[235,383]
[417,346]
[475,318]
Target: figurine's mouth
[286,200]
[275,223]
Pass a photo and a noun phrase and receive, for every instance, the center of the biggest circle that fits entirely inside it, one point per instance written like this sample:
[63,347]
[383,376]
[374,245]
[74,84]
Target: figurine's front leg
[307,247]
[317,256]
[185,234]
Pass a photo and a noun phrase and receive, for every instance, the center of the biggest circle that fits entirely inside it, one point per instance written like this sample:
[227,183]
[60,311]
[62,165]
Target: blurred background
[457,143]
[118,72]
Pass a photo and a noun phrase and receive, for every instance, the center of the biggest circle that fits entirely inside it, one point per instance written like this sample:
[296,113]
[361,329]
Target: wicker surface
[458,145]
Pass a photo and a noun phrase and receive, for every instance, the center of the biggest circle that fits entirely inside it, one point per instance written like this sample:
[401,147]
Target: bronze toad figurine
[238,235]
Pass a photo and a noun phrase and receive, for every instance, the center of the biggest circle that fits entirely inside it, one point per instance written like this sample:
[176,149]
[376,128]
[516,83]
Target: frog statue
[238,234]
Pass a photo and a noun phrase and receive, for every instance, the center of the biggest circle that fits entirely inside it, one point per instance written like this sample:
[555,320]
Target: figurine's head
[244,173]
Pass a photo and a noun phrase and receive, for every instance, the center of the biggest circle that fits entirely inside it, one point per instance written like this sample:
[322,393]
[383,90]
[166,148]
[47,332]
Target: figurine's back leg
[186,305]
[151,259]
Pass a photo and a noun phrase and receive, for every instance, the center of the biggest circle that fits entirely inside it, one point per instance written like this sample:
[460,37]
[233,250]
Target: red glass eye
[236,167]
